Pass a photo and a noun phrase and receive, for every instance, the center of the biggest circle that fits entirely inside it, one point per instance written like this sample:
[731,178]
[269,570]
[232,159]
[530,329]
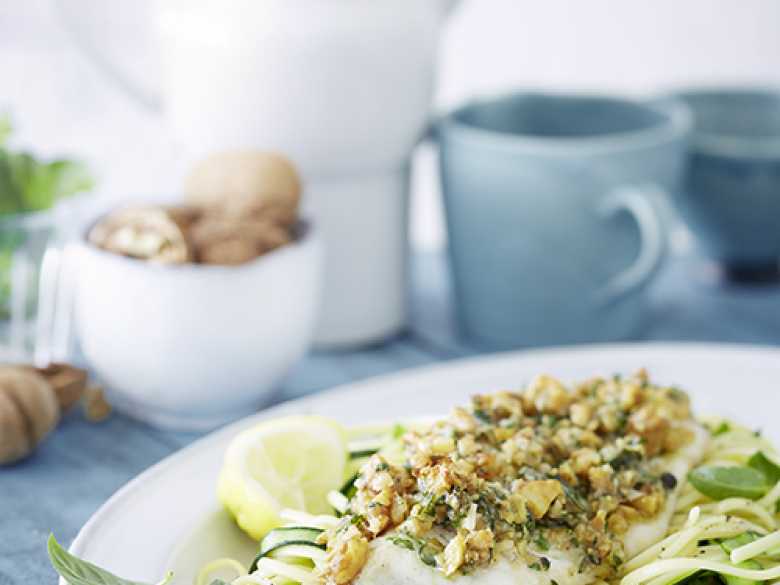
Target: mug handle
[634,200]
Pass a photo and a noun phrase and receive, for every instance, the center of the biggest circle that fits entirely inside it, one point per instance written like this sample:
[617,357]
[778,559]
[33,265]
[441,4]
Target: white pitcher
[343,87]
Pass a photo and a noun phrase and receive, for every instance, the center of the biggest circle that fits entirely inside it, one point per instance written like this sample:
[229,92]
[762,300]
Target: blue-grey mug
[553,213]
[731,195]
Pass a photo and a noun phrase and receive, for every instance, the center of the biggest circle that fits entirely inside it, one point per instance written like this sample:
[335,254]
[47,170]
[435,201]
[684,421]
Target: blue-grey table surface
[82,464]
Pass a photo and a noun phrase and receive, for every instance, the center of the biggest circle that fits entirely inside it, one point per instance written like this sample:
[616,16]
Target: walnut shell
[96,407]
[241,184]
[28,412]
[156,234]
[67,382]
[219,240]
[230,252]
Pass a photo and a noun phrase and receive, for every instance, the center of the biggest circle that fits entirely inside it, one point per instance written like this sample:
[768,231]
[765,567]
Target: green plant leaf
[79,572]
[28,184]
[56,180]
[10,197]
[41,185]
[720,483]
[5,128]
[763,464]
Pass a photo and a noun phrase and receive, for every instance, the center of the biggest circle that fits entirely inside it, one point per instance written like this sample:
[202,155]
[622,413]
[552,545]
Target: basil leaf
[79,572]
[763,464]
[720,483]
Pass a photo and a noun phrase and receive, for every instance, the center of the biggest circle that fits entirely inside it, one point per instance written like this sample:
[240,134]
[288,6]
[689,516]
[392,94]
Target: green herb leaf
[79,572]
[574,496]
[357,519]
[483,416]
[403,542]
[427,553]
[763,464]
[541,542]
[349,489]
[625,459]
[720,483]
[399,431]
[729,544]
[353,455]
[723,427]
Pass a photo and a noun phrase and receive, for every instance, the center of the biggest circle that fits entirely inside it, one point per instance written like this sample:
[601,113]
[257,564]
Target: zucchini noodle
[698,519]
[692,543]
[218,565]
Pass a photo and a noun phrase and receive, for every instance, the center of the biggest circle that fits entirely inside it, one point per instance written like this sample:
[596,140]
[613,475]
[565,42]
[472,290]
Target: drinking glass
[34,288]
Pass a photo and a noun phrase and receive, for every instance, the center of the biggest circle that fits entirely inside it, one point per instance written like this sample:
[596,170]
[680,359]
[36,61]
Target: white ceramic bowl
[189,347]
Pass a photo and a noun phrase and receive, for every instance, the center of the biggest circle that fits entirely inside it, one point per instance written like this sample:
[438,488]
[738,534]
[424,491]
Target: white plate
[147,527]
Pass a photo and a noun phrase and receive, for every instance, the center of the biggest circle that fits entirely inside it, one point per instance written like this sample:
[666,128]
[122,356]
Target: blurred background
[447,179]
[62,103]
[450,178]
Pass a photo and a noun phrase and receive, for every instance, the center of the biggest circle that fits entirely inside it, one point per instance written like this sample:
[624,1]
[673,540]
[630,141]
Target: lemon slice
[284,463]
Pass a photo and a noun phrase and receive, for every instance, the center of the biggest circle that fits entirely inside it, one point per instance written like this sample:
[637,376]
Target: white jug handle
[636,202]
[73,24]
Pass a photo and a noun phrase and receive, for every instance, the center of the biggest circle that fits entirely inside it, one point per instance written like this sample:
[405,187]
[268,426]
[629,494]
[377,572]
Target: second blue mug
[731,195]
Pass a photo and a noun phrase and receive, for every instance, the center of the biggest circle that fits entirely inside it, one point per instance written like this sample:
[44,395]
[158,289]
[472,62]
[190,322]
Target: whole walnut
[31,403]
[158,234]
[246,183]
[221,240]
[29,411]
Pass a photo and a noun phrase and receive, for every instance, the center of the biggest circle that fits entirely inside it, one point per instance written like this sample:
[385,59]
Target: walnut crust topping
[517,473]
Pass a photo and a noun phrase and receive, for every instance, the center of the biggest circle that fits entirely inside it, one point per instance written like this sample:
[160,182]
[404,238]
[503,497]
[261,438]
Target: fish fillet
[389,564]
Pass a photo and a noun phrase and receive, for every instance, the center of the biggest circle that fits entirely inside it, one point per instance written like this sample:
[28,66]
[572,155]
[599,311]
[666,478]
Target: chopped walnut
[539,495]
[601,478]
[583,459]
[347,553]
[581,413]
[500,478]
[651,427]
[631,395]
[454,555]
[648,505]
[546,395]
[513,509]
[617,523]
